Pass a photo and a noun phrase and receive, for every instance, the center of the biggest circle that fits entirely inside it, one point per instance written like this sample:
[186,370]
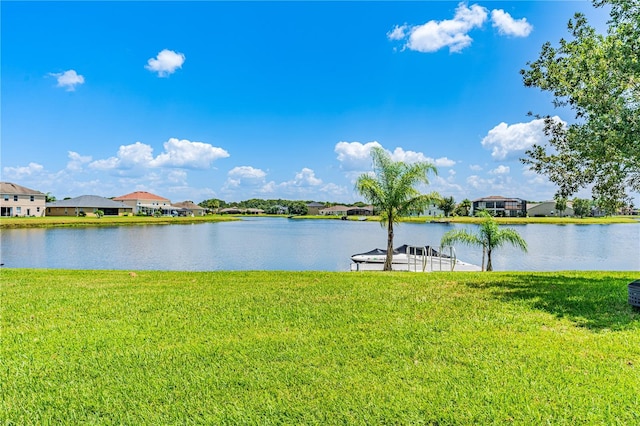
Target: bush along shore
[145,347]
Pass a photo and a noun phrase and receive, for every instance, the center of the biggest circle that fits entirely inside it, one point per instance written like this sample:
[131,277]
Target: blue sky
[238,100]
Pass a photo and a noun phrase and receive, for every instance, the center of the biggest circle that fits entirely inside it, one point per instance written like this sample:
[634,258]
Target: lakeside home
[143,202]
[501,206]
[346,211]
[548,208]
[313,209]
[16,200]
[89,205]
[185,208]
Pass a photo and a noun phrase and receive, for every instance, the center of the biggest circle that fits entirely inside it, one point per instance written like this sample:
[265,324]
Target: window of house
[38,209]
[15,198]
[6,197]
[18,210]
[32,198]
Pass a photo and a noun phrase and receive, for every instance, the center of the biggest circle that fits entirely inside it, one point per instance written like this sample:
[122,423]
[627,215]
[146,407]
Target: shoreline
[73,221]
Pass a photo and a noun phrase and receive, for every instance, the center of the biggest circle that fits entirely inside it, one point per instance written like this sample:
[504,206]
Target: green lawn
[114,347]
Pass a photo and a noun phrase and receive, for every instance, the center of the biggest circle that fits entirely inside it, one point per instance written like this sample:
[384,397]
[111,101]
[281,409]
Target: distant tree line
[272,206]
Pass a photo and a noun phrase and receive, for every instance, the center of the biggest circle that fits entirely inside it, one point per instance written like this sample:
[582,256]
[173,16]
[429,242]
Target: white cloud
[443,162]
[177,153]
[334,190]
[246,172]
[398,32]
[500,170]
[355,156]
[475,167]
[22,172]
[400,154]
[128,157]
[305,184]
[451,33]
[498,185]
[305,177]
[76,161]
[249,181]
[68,79]
[411,157]
[167,62]
[510,141]
[187,154]
[177,177]
[244,176]
[508,26]
[268,188]
[454,33]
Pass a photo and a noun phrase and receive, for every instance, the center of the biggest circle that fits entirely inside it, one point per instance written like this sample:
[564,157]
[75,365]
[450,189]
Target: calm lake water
[284,244]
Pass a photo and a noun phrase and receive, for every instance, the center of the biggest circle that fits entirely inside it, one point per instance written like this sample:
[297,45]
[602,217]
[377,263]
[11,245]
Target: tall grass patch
[112,347]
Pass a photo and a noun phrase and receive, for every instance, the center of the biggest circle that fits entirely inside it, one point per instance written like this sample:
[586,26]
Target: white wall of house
[22,204]
[548,208]
[432,210]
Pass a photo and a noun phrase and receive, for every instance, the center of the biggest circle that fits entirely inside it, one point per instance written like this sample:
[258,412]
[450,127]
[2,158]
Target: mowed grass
[114,347]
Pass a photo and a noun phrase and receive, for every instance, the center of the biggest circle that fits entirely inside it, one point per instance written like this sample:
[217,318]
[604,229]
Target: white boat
[412,258]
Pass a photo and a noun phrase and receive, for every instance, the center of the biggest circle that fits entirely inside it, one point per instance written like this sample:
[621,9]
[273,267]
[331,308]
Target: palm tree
[464,208]
[391,190]
[447,205]
[489,237]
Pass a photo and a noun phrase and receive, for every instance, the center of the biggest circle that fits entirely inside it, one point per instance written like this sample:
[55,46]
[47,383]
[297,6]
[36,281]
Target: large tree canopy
[598,77]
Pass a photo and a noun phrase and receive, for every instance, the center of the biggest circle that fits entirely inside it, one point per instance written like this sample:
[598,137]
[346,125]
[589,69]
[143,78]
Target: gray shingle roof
[89,201]
[12,188]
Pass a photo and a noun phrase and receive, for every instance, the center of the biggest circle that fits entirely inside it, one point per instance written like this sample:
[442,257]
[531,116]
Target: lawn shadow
[598,302]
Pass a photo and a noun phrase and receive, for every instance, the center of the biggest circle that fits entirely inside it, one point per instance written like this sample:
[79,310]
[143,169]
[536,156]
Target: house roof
[141,195]
[495,198]
[188,205]
[89,201]
[12,188]
[336,209]
[315,204]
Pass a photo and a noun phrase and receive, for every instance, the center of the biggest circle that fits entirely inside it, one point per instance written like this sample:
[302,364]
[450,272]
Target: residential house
[314,208]
[230,210]
[548,208]
[189,208]
[236,210]
[433,210]
[346,211]
[501,206]
[360,211]
[278,209]
[334,211]
[89,205]
[16,200]
[147,203]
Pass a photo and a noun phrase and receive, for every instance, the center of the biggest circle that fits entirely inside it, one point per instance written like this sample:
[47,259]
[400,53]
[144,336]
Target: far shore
[88,221]
[73,221]
[501,220]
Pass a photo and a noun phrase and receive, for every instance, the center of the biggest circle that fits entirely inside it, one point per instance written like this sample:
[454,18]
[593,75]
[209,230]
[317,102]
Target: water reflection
[283,244]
